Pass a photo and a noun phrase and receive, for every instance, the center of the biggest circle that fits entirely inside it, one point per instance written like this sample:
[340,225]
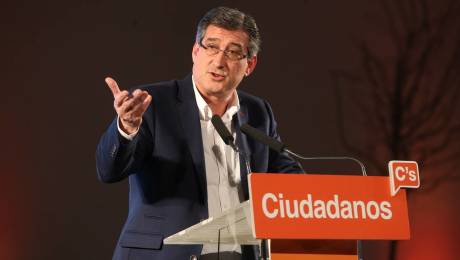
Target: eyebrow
[230,44]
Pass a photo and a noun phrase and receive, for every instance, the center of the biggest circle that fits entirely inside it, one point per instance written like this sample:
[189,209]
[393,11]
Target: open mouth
[216,76]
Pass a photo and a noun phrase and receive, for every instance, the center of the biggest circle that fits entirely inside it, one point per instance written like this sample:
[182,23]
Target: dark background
[55,105]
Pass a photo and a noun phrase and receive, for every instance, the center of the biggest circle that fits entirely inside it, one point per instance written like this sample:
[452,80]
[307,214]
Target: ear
[252,62]
[195,49]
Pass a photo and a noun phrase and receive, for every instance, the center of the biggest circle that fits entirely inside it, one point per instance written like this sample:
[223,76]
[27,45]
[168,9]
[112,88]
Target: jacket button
[113,151]
[193,257]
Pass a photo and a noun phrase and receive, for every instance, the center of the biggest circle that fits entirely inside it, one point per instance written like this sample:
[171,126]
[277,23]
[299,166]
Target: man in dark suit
[179,170]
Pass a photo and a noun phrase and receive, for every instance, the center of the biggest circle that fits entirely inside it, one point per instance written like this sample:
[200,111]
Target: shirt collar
[206,112]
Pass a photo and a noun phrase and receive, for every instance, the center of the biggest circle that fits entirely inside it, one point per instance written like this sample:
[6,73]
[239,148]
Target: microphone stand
[276,145]
[264,254]
[228,139]
[298,156]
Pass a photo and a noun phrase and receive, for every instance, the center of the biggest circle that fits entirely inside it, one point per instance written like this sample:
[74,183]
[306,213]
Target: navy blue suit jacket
[166,170]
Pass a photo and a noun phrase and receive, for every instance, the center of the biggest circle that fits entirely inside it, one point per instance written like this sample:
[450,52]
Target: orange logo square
[403,174]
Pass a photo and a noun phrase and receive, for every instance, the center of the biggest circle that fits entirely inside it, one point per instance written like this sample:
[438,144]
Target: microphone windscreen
[222,129]
[263,138]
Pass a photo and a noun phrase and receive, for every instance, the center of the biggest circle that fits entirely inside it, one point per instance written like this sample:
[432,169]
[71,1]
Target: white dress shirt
[222,165]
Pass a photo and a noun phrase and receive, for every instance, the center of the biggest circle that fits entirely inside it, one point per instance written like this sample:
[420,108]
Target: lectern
[307,216]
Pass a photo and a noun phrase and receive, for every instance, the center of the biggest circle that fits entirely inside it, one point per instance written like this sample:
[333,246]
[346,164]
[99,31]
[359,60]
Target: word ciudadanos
[276,206]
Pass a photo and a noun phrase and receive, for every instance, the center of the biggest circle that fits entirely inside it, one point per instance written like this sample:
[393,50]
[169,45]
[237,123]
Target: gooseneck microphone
[263,138]
[228,139]
[222,130]
[279,147]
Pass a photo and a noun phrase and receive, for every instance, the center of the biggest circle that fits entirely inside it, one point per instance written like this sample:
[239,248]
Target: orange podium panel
[308,216]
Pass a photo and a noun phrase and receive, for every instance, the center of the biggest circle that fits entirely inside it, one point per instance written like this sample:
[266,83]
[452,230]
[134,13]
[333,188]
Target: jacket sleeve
[117,157]
[279,162]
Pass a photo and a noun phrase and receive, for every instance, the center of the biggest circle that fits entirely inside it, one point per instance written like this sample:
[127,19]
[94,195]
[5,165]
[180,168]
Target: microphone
[222,130]
[263,138]
[279,147]
[228,139]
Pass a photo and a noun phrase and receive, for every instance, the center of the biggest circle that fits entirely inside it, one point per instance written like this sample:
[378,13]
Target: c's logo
[403,174]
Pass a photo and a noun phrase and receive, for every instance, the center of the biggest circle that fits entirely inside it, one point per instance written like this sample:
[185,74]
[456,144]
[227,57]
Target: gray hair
[231,19]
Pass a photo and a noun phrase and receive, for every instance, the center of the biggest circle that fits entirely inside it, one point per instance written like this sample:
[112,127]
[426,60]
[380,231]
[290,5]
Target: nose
[219,60]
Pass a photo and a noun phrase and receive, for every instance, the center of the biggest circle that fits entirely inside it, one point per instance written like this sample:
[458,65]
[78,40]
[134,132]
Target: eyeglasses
[212,49]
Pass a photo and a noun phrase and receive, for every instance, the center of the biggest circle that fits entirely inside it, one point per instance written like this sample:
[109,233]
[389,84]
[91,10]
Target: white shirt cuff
[125,135]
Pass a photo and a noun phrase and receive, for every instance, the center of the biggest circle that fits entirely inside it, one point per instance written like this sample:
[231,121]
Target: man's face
[217,75]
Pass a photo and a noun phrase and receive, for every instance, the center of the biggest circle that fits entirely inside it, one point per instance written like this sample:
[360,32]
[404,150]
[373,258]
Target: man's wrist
[127,136]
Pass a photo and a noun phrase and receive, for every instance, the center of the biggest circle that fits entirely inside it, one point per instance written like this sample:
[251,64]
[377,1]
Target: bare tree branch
[393,31]
[433,43]
[411,95]
[336,76]
[444,117]
[444,86]
[374,70]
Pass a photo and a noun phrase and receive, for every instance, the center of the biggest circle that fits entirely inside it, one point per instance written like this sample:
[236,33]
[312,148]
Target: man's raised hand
[130,108]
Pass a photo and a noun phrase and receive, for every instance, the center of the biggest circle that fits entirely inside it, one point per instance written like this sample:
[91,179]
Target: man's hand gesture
[130,108]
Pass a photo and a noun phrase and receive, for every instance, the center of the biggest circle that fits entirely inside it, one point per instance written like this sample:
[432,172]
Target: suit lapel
[241,141]
[190,120]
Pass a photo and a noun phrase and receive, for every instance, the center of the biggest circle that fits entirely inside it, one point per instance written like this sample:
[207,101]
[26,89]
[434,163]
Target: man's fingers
[138,92]
[120,98]
[113,86]
[126,106]
[136,106]
[132,102]
[146,103]
[140,108]
[124,95]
